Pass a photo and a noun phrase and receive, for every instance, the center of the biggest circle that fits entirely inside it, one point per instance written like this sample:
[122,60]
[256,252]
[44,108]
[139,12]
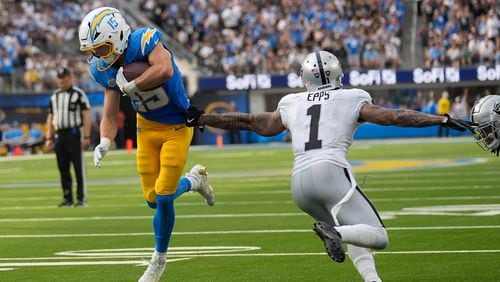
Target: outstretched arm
[400,117]
[409,118]
[266,124]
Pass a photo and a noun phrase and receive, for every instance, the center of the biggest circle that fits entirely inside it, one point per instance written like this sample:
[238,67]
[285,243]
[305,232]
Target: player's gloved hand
[496,151]
[126,87]
[192,116]
[458,124]
[101,150]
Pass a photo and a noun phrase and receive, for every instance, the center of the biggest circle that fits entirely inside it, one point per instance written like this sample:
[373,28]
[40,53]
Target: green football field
[440,201]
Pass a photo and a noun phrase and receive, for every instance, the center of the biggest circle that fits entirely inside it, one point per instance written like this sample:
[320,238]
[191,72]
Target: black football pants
[68,150]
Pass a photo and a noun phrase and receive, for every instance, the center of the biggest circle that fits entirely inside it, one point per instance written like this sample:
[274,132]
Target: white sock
[364,262]
[159,257]
[194,182]
[364,235]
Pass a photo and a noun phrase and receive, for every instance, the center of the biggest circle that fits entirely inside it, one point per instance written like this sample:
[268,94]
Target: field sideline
[439,198]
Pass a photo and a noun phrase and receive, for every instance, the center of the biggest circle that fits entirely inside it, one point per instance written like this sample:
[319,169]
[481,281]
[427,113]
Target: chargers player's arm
[400,117]
[160,69]
[109,122]
[266,124]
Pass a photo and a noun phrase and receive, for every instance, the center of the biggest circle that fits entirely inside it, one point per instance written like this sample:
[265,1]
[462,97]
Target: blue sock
[183,186]
[163,221]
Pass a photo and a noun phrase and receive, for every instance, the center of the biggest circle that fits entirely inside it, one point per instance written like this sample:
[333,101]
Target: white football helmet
[486,113]
[321,68]
[104,34]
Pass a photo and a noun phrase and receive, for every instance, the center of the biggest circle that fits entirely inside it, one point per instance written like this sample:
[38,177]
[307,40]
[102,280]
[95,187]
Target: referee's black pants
[68,150]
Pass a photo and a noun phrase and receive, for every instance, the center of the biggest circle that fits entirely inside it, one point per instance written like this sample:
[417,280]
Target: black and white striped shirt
[66,107]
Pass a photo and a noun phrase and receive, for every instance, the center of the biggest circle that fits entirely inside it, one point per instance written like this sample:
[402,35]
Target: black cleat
[81,204]
[65,204]
[332,240]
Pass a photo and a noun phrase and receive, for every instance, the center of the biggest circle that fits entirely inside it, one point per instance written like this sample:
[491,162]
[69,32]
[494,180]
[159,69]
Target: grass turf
[442,221]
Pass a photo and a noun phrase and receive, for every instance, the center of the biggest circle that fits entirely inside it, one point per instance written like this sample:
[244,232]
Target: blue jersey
[165,104]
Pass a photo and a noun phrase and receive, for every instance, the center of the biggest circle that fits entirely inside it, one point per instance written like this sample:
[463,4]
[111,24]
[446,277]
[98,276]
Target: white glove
[126,87]
[101,150]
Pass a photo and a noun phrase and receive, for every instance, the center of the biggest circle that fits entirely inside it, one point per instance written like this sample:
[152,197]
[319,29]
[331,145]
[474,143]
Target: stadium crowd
[241,36]
[33,37]
[238,37]
[460,33]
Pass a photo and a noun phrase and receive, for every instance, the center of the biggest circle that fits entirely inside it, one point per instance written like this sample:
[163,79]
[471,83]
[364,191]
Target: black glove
[496,151]
[458,124]
[192,116]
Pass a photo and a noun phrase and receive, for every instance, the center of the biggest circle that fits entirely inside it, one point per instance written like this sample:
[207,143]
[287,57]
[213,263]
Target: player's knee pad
[382,239]
[151,205]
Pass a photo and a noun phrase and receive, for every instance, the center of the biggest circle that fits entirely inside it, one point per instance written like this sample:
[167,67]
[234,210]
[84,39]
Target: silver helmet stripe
[321,70]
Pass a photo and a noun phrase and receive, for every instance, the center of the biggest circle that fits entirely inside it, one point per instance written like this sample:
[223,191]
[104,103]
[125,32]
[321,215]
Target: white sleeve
[283,107]
[363,98]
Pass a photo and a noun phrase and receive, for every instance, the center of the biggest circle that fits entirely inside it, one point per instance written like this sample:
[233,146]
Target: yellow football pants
[162,151]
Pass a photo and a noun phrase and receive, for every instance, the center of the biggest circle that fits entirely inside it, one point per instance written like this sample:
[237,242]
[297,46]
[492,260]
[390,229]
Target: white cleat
[153,272]
[199,172]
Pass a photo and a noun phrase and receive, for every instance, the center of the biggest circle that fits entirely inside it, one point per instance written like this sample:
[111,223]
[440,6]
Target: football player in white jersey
[486,113]
[322,122]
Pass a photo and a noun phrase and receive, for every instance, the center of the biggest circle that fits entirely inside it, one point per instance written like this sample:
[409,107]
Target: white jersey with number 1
[322,124]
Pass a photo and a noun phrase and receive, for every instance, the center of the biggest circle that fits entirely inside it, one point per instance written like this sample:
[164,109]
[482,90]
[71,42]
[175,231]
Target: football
[134,70]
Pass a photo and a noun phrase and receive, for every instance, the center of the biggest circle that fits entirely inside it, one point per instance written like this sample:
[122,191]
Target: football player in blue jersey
[159,97]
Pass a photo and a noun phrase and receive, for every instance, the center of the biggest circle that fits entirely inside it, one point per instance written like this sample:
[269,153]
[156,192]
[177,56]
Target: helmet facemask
[105,54]
[486,136]
[486,112]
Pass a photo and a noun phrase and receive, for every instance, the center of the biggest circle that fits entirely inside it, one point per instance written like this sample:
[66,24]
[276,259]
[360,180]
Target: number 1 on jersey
[313,143]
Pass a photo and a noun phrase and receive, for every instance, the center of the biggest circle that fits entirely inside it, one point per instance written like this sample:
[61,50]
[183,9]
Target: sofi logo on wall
[248,81]
[484,73]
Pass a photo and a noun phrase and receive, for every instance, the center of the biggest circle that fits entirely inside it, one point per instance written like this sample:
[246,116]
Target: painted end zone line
[222,232]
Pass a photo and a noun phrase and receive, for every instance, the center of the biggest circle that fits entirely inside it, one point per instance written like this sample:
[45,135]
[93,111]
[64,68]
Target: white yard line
[70,263]
[226,232]
[179,204]
[148,217]
[267,192]
[9,265]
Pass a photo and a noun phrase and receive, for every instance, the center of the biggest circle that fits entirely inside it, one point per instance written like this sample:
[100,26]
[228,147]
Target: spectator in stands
[443,108]
[430,106]
[477,23]
[459,109]
[353,45]
[474,47]
[486,51]
[417,101]
[7,72]
[453,53]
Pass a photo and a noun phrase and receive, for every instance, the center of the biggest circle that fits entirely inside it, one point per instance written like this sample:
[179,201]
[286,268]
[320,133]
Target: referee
[68,132]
